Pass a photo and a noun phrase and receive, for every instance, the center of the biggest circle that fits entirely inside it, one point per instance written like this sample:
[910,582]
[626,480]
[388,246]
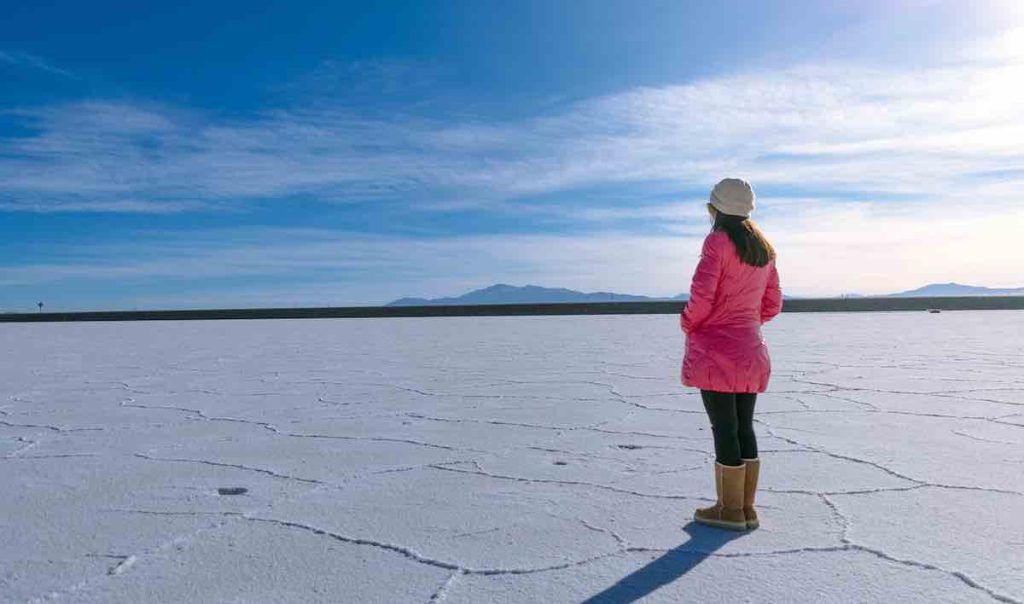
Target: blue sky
[167,155]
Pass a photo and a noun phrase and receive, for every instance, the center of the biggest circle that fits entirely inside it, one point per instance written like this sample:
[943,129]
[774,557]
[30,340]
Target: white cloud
[376,269]
[873,248]
[825,249]
[916,176]
[824,126]
[30,61]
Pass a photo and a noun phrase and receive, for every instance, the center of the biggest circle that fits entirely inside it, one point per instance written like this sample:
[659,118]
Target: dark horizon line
[863,304]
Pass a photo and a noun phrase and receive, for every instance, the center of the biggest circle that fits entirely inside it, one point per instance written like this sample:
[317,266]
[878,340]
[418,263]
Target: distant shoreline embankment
[499,310]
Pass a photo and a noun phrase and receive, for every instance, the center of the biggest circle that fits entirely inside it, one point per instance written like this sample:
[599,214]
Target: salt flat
[517,459]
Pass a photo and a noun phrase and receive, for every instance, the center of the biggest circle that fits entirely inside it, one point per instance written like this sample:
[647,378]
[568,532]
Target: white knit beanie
[733,196]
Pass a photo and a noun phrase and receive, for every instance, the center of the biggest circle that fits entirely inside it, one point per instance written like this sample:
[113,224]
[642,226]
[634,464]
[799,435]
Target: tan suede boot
[715,510]
[753,467]
[727,512]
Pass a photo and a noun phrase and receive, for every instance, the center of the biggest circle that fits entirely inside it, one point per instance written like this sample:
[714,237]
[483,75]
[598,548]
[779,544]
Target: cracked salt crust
[517,459]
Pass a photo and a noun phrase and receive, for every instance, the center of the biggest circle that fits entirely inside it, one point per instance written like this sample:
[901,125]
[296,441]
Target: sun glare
[1010,45]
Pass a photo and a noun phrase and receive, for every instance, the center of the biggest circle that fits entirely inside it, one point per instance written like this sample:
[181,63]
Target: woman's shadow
[703,542]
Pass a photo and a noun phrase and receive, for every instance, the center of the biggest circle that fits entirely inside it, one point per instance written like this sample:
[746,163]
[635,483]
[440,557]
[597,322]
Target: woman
[735,290]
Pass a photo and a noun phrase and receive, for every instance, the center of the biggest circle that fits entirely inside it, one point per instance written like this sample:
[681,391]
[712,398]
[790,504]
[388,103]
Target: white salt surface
[547,459]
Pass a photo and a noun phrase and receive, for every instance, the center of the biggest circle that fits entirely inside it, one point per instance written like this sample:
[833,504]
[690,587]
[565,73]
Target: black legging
[732,423]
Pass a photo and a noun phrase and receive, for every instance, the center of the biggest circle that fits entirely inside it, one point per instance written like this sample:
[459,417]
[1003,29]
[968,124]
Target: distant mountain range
[502,293]
[957,289]
[529,294]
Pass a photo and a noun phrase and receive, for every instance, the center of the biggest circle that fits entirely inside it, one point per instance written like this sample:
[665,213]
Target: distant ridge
[957,289]
[502,293]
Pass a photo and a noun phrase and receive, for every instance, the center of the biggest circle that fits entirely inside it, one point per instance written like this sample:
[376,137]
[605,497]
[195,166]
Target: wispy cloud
[892,177]
[928,133]
[826,249]
[30,61]
[304,260]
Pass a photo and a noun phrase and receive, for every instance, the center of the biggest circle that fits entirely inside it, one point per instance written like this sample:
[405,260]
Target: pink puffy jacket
[729,301]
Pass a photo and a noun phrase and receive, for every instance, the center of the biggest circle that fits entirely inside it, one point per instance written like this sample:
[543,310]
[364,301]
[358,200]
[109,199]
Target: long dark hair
[751,244]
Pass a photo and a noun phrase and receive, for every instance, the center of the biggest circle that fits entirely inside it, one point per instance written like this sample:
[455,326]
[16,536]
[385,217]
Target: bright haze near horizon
[187,154]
